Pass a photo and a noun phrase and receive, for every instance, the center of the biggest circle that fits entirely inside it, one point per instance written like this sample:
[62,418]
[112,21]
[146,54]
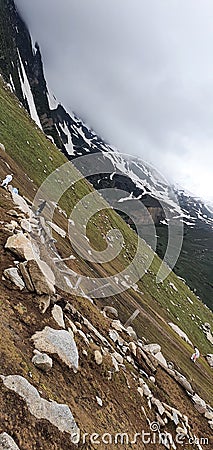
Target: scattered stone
[42,276]
[132,333]
[209,359]
[42,361]
[118,357]
[60,342]
[210,422]
[22,246]
[57,229]
[6,442]
[152,379]
[110,312]
[159,356]
[99,401]
[199,403]
[145,388]
[158,404]
[113,334]
[180,333]
[152,348]
[116,324]
[133,348]
[58,316]
[98,357]
[26,276]
[22,204]
[185,383]
[115,363]
[13,276]
[58,415]
[209,414]
[11,226]
[13,213]
[2,147]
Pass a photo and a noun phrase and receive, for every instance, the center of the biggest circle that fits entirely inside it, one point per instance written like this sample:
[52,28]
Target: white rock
[115,363]
[57,229]
[152,348]
[99,401]
[118,357]
[42,276]
[12,275]
[22,204]
[42,361]
[60,342]
[132,333]
[133,348]
[209,359]
[159,356]
[22,246]
[2,147]
[26,225]
[7,443]
[58,315]
[57,414]
[152,379]
[98,357]
[116,324]
[180,333]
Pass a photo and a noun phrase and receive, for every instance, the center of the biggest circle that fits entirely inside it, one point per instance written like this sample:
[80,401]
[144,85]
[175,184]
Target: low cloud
[139,72]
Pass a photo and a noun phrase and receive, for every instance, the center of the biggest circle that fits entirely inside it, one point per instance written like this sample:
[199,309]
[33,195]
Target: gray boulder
[152,348]
[58,342]
[42,277]
[21,246]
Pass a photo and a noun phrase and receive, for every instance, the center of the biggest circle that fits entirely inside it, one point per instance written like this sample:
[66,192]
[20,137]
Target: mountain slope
[31,157]
[22,68]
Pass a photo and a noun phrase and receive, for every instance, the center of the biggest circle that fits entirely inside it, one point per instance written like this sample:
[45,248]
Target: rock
[185,384]
[42,361]
[22,204]
[113,334]
[58,316]
[118,357]
[110,312]
[199,404]
[146,362]
[42,277]
[180,333]
[26,276]
[2,147]
[209,359]
[72,325]
[26,225]
[116,324]
[159,356]
[209,414]
[57,229]
[44,303]
[132,333]
[207,326]
[211,424]
[99,401]
[6,442]
[60,342]
[21,246]
[115,363]
[133,348]
[58,415]
[13,276]
[152,379]
[158,404]
[145,388]
[98,357]
[11,226]
[152,348]
[209,336]
[13,213]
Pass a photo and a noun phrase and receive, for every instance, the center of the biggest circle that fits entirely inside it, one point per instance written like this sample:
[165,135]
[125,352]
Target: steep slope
[22,68]
[113,390]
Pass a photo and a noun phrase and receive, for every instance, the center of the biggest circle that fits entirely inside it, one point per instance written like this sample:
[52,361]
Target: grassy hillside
[31,157]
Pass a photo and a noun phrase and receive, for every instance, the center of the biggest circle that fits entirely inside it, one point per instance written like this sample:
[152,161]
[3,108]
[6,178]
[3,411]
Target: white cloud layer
[139,72]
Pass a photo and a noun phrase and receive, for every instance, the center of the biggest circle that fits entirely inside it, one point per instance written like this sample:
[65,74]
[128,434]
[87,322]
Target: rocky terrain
[79,371]
[22,68]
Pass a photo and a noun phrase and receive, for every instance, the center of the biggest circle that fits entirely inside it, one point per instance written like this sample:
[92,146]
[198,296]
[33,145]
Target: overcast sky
[139,72]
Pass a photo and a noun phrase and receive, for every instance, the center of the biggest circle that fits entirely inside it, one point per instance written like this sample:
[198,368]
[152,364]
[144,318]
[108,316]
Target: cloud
[139,72]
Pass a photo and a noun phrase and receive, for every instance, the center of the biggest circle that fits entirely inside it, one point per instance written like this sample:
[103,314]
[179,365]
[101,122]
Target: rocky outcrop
[57,414]
[58,342]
